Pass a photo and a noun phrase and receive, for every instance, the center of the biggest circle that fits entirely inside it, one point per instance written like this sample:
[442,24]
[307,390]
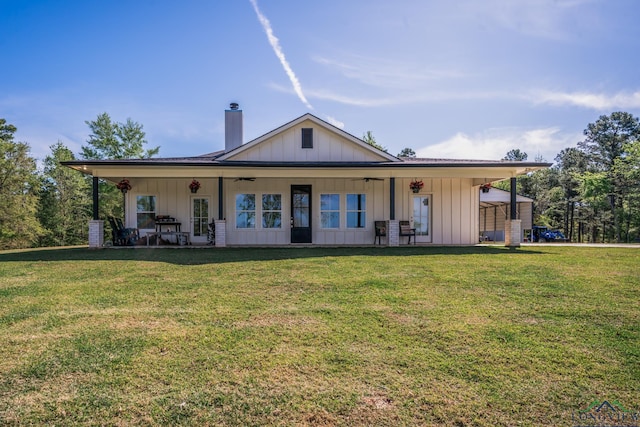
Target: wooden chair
[211,233]
[406,230]
[133,232]
[120,235]
[381,231]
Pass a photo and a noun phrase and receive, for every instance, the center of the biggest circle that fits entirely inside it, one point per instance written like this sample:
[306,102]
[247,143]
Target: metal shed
[494,211]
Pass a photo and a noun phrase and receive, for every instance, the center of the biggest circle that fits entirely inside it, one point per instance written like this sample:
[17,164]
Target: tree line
[591,193]
[51,206]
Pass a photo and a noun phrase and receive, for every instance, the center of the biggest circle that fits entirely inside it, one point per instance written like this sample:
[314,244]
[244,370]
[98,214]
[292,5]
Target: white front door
[200,219]
[421,217]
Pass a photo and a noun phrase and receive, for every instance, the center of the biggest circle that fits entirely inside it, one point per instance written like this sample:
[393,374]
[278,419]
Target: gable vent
[307,137]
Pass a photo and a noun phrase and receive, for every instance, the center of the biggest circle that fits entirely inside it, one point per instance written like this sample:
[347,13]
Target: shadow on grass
[199,256]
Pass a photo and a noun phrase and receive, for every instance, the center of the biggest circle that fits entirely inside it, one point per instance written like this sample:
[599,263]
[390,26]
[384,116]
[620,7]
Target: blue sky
[450,79]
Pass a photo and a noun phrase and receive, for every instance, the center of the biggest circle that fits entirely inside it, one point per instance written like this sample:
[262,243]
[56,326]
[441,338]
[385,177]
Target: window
[307,137]
[245,211]
[330,210]
[271,211]
[145,212]
[356,210]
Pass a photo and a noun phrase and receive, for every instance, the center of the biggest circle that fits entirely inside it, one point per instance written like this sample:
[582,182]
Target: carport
[494,212]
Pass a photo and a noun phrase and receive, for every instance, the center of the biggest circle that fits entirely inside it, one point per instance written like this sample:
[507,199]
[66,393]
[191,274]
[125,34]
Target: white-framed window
[245,211]
[271,211]
[330,210]
[356,210]
[146,212]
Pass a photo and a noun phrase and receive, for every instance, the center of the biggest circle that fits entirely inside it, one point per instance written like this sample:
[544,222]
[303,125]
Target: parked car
[544,234]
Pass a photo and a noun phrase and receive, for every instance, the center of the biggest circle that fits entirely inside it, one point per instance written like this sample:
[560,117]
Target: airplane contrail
[273,41]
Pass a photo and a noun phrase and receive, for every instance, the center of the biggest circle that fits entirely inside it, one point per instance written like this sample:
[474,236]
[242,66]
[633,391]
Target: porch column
[96,234]
[393,233]
[221,233]
[96,226]
[513,211]
[96,202]
[220,199]
[513,226]
[392,198]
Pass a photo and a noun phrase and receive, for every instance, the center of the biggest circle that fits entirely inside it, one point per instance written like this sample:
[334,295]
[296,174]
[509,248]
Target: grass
[355,336]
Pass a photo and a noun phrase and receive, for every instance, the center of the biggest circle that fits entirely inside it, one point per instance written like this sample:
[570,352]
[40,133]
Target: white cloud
[337,123]
[386,73]
[275,44]
[397,98]
[494,144]
[551,19]
[596,101]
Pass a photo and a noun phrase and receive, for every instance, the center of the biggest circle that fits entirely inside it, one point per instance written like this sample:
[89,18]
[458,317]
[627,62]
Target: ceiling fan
[244,179]
[367,179]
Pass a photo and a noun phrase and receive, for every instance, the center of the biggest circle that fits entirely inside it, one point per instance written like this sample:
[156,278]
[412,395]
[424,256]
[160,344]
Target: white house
[305,182]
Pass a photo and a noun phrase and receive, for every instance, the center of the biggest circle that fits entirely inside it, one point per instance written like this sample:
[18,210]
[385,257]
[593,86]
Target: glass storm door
[199,219]
[300,214]
[422,218]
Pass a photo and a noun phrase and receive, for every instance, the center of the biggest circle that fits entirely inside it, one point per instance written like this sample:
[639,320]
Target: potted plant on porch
[194,186]
[124,185]
[416,185]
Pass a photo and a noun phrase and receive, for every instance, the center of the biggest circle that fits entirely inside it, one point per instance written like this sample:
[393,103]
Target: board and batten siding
[454,210]
[173,198]
[377,208]
[454,207]
[287,147]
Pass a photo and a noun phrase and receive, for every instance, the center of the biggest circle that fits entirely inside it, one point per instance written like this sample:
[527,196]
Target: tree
[370,139]
[605,142]
[596,189]
[627,169]
[407,152]
[516,155]
[571,164]
[65,203]
[19,227]
[111,140]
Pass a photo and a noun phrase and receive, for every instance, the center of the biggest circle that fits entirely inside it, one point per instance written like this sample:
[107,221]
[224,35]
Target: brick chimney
[232,127]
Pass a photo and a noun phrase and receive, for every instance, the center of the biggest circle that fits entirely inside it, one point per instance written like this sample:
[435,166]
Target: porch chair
[406,230]
[133,231]
[120,235]
[381,231]
[211,233]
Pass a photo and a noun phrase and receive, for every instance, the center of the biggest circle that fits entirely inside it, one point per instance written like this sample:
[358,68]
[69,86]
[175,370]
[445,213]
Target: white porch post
[221,232]
[393,233]
[96,233]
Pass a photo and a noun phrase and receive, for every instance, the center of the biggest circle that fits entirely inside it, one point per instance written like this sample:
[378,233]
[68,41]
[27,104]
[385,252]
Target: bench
[406,230]
[180,236]
[381,231]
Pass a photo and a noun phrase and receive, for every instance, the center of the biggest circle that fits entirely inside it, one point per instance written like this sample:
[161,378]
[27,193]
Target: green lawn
[353,336]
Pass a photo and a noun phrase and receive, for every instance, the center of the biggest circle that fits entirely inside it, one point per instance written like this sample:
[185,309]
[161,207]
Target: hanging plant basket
[194,186]
[416,185]
[124,186]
